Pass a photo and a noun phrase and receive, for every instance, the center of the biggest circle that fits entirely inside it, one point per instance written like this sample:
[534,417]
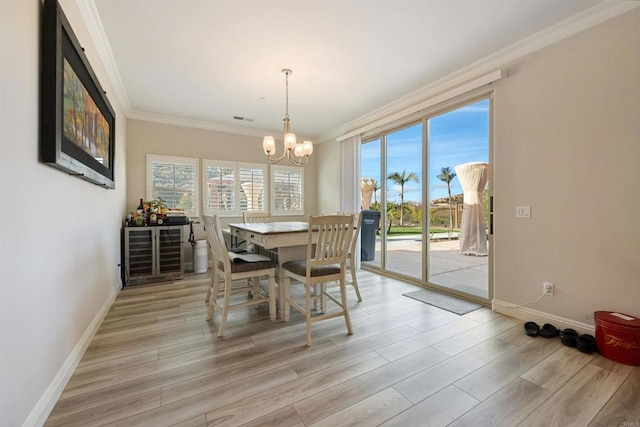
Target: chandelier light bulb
[307,148]
[290,141]
[269,145]
[298,151]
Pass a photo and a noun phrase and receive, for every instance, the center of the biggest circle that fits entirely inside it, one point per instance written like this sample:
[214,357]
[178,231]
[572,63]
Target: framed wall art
[77,122]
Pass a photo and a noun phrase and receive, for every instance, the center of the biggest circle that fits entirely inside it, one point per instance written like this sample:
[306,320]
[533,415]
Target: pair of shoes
[548,331]
[531,329]
[569,337]
[586,343]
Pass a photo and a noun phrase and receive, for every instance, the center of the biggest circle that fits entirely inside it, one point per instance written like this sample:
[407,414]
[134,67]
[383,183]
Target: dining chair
[229,270]
[255,217]
[357,223]
[329,238]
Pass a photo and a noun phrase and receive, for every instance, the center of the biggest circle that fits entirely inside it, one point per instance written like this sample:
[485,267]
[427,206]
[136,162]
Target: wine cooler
[152,253]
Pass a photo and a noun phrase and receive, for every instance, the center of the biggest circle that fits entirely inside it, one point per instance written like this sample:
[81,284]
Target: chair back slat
[255,217]
[329,239]
[357,224]
[216,241]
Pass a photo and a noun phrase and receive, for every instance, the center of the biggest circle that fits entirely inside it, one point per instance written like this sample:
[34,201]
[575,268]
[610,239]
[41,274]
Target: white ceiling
[209,60]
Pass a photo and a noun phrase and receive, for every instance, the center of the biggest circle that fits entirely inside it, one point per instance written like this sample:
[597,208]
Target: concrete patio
[448,268]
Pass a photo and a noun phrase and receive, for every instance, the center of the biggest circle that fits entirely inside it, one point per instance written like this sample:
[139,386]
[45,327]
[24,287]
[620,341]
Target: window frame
[280,212]
[174,160]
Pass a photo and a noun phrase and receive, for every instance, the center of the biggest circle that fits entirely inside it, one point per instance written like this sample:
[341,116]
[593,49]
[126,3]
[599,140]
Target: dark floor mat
[445,302]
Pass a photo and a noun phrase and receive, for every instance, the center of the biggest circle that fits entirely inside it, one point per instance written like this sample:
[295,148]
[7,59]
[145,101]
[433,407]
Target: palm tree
[401,180]
[447,175]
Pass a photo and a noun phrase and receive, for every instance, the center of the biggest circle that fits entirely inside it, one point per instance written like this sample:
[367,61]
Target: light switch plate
[523,211]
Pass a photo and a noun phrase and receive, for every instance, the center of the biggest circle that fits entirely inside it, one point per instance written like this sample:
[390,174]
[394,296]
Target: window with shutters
[231,188]
[287,184]
[174,179]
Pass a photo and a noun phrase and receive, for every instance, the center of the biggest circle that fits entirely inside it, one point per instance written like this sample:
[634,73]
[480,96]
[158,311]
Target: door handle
[491,224]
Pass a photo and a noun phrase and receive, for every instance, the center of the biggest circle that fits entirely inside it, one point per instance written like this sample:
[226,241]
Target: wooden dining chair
[255,217]
[357,223]
[233,270]
[328,243]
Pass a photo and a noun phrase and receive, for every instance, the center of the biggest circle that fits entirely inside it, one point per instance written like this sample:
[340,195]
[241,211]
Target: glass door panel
[403,202]
[370,186]
[458,191]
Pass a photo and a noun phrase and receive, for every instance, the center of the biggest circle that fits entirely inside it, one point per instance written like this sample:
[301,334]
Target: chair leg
[345,308]
[307,312]
[323,298]
[286,294]
[225,307]
[253,291]
[215,289]
[316,290]
[354,281]
[213,274]
[255,282]
[272,297]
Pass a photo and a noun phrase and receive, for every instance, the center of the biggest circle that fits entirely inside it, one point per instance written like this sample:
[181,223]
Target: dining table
[286,238]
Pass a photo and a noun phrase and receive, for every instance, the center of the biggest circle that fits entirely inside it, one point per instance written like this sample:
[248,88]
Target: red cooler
[618,337]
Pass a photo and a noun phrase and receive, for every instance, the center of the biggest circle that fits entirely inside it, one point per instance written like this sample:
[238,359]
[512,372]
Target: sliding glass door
[430,182]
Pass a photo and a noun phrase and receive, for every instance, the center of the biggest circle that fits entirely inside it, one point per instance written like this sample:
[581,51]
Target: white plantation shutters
[219,188]
[287,183]
[173,179]
[253,187]
[231,188]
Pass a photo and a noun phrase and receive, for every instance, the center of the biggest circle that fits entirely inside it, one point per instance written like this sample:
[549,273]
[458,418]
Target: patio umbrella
[366,187]
[473,235]
[252,190]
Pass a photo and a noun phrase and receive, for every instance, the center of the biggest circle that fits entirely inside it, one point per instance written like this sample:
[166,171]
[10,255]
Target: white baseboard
[43,408]
[540,317]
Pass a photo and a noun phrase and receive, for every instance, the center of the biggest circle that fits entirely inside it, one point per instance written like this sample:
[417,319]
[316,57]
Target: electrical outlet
[523,211]
[547,289]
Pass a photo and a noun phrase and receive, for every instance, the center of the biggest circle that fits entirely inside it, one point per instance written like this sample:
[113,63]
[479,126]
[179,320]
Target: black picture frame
[77,122]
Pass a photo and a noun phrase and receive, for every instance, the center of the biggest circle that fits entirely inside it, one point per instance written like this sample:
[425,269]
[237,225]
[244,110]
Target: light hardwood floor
[156,361]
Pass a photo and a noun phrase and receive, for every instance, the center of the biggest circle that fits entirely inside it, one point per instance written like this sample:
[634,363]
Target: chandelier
[296,153]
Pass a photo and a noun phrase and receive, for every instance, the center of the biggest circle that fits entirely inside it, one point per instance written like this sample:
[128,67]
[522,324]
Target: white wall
[567,142]
[59,235]
[329,176]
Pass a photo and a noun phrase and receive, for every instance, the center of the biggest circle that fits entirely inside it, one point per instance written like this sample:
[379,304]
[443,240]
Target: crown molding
[91,17]
[206,125]
[569,27]
[198,124]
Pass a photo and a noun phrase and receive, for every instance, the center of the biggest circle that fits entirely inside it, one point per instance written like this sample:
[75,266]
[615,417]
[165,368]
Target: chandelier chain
[286,80]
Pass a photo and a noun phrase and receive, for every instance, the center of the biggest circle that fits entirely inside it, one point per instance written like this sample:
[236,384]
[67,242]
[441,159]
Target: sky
[456,137]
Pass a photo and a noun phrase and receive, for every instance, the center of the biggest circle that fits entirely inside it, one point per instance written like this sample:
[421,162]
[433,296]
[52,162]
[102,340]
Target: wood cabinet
[152,253]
